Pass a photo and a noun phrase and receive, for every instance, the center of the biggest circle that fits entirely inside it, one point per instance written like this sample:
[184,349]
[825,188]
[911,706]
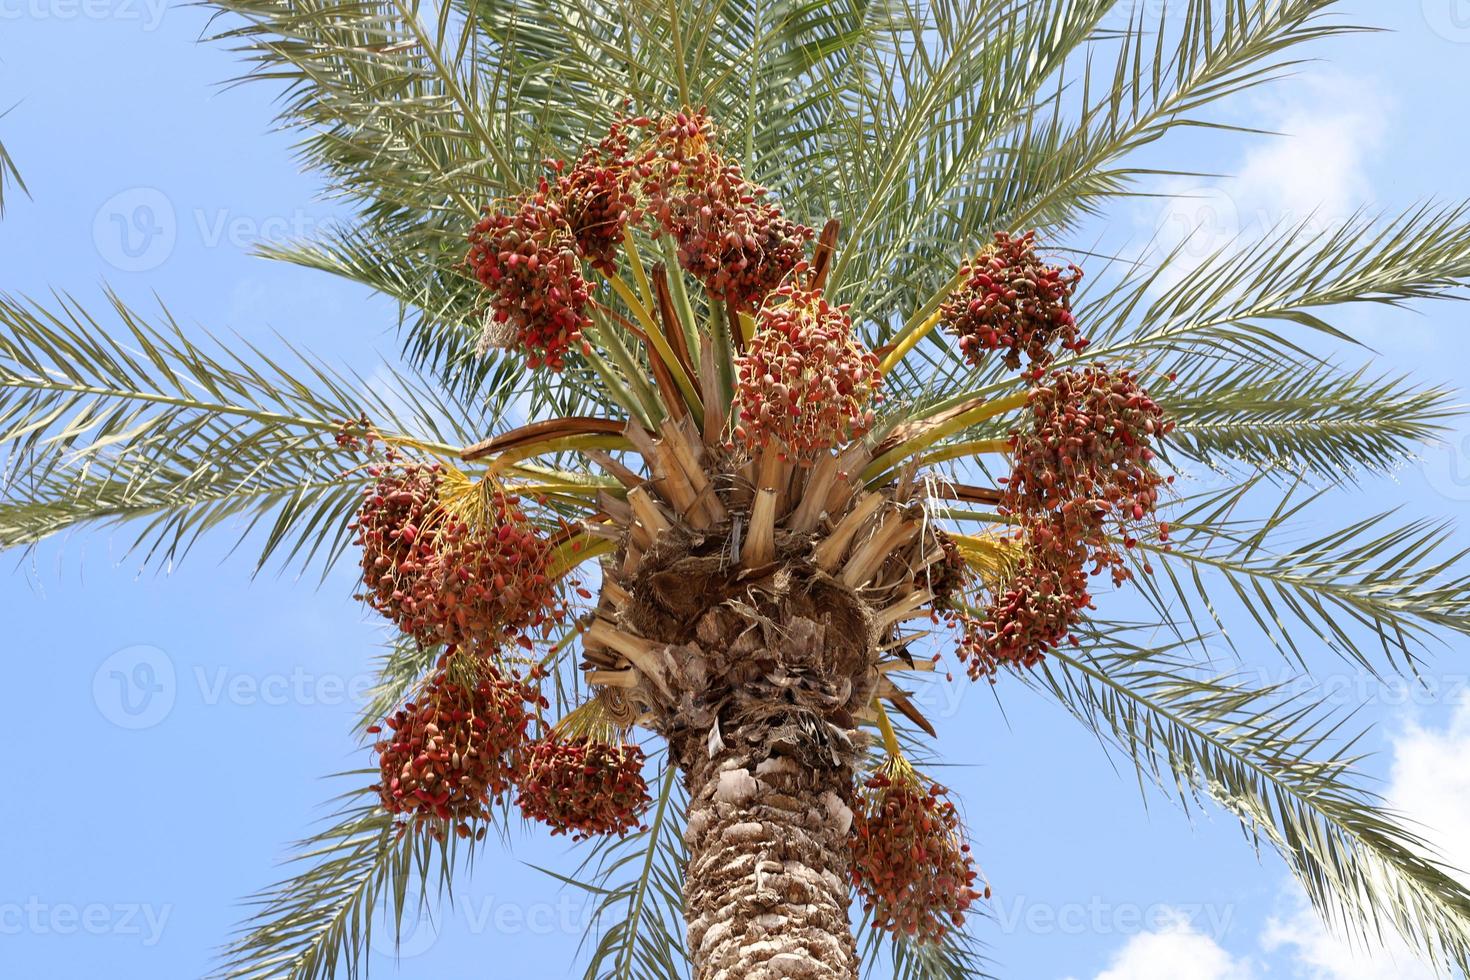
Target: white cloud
[1313,168]
[1316,954]
[1318,165]
[1173,952]
[1429,785]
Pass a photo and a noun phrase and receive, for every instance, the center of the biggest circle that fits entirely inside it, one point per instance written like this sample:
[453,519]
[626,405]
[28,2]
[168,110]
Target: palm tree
[766,463]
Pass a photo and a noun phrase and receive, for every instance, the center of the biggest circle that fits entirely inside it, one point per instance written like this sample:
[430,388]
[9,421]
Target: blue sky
[170,729]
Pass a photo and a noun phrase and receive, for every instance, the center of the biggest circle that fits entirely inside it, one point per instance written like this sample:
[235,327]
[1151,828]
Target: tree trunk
[766,891]
[758,675]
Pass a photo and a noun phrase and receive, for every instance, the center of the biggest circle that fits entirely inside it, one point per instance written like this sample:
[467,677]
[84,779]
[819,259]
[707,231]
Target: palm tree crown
[749,379]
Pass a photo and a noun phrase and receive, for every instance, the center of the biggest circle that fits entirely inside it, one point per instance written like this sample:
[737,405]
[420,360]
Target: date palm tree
[666,460]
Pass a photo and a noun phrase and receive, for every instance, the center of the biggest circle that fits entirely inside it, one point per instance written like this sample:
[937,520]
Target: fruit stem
[976,447]
[923,321]
[659,342]
[635,263]
[907,341]
[929,436]
[643,404]
[678,293]
[890,737]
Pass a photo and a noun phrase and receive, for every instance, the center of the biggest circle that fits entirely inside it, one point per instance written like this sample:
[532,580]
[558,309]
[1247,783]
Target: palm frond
[957,956]
[1162,79]
[1281,765]
[1309,417]
[1016,159]
[954,76]
[402,666]
[136,422]
[318,923]
[637,882]
[1248,314]
[1370,584]
[1290,276]
[395,106]
[424,113]
[9,172]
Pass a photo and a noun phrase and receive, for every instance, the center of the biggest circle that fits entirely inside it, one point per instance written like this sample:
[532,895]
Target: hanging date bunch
[527,259]
[597,199]
[909,859]
[804,382]
[729,236]
[1033,609]
[528,255]
[443,578]
[1011,301]
[492,582]
[583,785]
[1028,601]
[451,752]
[395,529]
[1083,464]
[1082,478]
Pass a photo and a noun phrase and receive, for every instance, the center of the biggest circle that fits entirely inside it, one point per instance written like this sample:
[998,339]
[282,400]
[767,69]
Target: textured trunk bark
[766,891]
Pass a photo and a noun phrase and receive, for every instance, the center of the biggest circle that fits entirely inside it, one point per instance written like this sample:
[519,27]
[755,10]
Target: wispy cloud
[1313,168]
[1175,951]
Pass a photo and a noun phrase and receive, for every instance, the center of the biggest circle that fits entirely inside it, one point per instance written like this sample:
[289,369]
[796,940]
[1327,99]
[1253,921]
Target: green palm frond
[414,127]
[380,90]
[303,510]
[390,99]
[438,305]
[136,422]
[1309,417]
[1279,763]
[9,172]
[637,883]
[1045,161]
[957,956]
[1292,275]
[1373,583]
[318,923]
[1251,306]
[402,666]
[1166,75]
[1246,394]
[956,76]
